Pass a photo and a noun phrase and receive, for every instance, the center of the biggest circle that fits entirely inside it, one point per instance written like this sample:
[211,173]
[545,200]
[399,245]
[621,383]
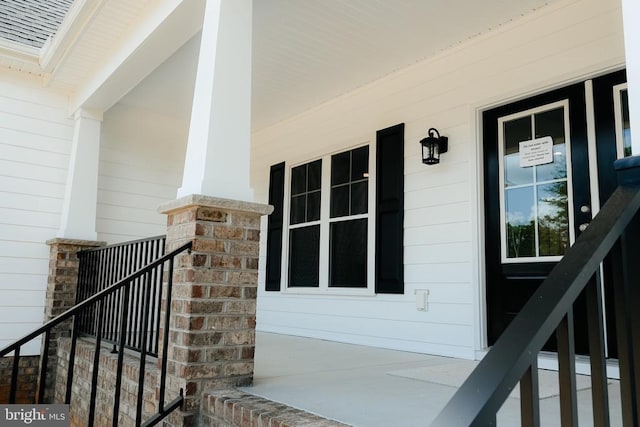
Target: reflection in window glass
[551,123]
[553,219]
[626,125]
[520,222]
[516,131]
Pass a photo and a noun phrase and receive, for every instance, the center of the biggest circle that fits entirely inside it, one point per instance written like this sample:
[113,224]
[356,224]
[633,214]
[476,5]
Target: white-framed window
[535,192]
[328,243]
[623,125]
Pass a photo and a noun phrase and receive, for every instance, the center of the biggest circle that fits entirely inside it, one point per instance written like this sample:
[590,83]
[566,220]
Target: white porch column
[218,149]
[81,194]
[631,19]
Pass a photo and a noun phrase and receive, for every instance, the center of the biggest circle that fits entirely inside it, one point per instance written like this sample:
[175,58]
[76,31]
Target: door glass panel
[553,218]
[516,131]
[535,197]
[520,222]
[551,123]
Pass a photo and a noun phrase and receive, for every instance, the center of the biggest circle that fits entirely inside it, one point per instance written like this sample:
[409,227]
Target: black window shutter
[274,228]
[390,210]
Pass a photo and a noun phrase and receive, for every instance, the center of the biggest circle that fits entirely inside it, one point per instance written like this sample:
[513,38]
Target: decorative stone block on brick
[62,284]
[213,305]
[235,408]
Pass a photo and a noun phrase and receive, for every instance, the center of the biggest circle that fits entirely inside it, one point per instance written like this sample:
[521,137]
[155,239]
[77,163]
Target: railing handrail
[78,307]
[480,397]
[117,245]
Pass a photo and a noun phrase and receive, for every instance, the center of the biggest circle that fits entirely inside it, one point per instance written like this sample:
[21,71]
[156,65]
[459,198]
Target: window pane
[315,175]
[313,206]
[340,168]
[553,219]
[305,192]
[304,256]
[348,256]
[340,201]
[359,198]
[551,123]
[298,209]
[515,132]
[520,222]
[359,163]
[298,179]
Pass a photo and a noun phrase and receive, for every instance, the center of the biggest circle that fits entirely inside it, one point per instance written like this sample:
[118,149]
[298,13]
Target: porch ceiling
[307,52]
[304,52]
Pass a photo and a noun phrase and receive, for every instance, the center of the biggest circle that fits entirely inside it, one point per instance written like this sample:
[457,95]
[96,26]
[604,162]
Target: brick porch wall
[80,392]
[62,284]
[27,379]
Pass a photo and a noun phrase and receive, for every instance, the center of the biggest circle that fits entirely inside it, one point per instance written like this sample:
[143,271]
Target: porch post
[62,284]
[213,303]
[78,219]
[631,18]
[218,148]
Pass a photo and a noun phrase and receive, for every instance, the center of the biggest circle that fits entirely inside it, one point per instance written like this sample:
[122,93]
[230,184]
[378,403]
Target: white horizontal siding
[35,139]
[141,161]
[558,44]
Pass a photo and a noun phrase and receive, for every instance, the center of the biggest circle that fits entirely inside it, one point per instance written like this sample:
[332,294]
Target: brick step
[235,408]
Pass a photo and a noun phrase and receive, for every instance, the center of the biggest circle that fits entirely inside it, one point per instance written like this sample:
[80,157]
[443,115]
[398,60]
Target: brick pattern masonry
[213,308]
[27,379]
[226,408]
[62,284]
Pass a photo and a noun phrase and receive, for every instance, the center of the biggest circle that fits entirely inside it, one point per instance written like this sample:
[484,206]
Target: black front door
[536,183]
[538,187]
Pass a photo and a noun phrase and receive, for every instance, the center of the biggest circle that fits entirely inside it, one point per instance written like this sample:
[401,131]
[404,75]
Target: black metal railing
[100,268]
[100,305]
[615,231]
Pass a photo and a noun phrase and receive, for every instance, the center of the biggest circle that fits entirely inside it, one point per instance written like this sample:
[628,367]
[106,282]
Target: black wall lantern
[433,146]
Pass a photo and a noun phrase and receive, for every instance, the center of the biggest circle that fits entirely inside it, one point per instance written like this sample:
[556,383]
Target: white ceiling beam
[157,36]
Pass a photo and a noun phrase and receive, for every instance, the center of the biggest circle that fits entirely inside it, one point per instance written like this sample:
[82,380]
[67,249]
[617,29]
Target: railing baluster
[530,397]
[96,363]
[159,309]
[624,339]
[43,367]
[567,371]
[123,330]
[630,242]
[72,358]
[595,322]
[165,337]
[143,351]
[14,376]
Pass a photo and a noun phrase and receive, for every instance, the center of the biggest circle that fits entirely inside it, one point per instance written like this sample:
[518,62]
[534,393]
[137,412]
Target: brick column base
[213,306]
[62,284]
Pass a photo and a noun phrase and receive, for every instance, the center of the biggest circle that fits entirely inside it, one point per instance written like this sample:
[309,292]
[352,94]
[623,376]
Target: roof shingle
[31,22]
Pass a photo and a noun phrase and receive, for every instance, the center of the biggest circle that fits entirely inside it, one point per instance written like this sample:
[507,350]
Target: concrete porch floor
[370,387]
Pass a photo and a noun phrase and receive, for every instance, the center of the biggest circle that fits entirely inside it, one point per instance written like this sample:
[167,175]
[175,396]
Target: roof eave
[75,21]
[19,52]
